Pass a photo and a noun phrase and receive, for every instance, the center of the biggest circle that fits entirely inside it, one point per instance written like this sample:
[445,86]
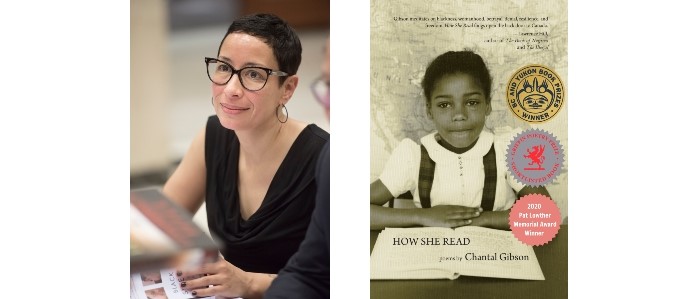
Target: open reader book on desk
[163,234]
[445,253]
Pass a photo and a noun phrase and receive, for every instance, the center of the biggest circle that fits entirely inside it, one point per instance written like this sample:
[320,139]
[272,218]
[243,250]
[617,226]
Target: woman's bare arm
[186,186]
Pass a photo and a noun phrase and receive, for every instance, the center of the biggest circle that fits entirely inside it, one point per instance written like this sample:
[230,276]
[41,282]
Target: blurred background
[170,92]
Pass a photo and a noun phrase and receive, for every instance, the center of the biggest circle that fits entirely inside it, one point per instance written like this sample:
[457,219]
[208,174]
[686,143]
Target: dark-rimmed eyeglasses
[252,78]
[321,90]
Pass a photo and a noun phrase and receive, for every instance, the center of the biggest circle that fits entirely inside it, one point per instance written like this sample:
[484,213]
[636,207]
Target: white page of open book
[389,261]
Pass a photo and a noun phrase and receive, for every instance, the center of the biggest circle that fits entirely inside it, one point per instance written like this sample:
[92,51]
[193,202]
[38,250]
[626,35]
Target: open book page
[494,253]
[159,284]
[410,253]
[435,253]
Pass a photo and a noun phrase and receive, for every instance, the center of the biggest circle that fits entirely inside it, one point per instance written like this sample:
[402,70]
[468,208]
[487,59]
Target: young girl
[458,173]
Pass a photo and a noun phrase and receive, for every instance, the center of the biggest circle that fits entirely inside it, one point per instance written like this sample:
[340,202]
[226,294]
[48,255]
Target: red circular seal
[535,219]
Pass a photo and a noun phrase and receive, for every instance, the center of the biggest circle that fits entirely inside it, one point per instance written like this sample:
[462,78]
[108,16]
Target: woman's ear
[488,108]
[289,86]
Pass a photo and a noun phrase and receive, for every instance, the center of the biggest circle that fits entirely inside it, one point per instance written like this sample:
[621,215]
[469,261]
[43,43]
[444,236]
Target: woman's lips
[233,109]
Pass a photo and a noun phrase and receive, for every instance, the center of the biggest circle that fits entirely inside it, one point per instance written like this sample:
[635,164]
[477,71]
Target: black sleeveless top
[270,236]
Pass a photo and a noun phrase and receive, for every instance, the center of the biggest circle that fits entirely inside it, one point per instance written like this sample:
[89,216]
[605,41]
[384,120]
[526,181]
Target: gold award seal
[535,93]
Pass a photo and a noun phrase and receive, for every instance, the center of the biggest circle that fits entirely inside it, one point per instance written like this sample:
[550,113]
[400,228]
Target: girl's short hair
[454,62]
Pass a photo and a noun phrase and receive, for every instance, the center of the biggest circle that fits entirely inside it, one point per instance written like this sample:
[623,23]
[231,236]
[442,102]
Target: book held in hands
[163,234]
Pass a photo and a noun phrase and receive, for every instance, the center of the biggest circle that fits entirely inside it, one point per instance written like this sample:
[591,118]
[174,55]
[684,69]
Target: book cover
[524,45]
[163,234]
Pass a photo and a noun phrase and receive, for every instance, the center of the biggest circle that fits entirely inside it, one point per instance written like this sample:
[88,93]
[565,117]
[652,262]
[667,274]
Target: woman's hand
[222,279]
[448,216]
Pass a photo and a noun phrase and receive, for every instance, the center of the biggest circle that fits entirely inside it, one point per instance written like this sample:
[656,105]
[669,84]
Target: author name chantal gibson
[470,256]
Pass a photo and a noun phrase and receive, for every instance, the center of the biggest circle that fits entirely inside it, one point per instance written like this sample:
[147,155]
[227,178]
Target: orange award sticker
[534,219]
[535,93]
